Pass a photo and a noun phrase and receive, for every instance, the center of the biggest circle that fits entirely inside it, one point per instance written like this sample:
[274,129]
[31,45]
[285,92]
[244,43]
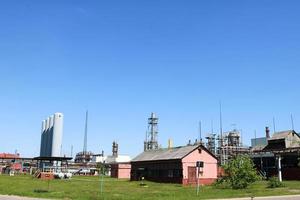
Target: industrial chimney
[115,149]
[267,132]
[170,144]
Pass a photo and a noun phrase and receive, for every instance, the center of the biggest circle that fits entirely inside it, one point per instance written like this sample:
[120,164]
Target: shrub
[240,172]
[221,183]
[274,182]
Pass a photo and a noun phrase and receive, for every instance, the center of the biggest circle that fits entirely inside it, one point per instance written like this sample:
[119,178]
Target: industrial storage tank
[51,137]
[42,137]
[57,135]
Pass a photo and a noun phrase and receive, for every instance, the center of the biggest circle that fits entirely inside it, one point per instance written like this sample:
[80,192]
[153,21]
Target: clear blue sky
[122,60]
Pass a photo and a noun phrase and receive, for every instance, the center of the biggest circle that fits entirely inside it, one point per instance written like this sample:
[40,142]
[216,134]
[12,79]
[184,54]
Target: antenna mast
[274,127]
[85,133]
[292,121]
[200,132]
[221,136]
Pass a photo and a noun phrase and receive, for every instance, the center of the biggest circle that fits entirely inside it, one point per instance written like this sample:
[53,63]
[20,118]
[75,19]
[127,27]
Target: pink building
[176,165]
[120,170]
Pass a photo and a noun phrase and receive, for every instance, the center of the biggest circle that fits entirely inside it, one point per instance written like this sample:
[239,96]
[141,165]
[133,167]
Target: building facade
[120,170]
[176,165]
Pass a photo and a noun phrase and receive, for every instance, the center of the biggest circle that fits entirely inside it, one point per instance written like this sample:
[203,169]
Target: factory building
[176,165]
[280,156]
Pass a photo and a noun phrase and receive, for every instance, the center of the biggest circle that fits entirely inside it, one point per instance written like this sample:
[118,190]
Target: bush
[221,183]
[274,182]
[240,172]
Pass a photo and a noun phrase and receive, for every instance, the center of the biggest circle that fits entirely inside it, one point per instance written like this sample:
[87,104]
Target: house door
[192,179]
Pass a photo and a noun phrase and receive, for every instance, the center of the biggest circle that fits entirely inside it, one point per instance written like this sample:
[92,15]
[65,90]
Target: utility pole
[274,127]
[200,132]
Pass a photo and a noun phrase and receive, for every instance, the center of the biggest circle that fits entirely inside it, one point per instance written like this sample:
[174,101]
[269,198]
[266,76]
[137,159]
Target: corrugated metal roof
[165,154]
[281,135]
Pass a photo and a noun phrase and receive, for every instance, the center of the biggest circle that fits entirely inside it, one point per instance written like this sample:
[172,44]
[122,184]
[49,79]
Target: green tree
[240,172]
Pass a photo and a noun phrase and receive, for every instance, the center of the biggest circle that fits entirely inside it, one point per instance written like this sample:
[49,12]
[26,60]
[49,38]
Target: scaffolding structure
[151,135]
[211,143]
[229,145]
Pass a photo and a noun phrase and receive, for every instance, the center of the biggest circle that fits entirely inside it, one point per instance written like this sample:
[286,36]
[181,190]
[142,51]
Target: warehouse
[176,165]
[280,156]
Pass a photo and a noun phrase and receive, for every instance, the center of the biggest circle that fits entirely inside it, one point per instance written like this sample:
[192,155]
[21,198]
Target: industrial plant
[274,154]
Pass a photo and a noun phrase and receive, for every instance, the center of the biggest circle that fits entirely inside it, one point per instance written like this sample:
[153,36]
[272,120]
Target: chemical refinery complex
[275,154]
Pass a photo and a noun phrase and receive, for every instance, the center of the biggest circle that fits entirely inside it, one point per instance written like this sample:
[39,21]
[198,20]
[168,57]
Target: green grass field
[89,188]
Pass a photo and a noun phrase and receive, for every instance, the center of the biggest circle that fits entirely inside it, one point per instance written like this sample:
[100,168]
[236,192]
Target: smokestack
[170,143]
[267,132]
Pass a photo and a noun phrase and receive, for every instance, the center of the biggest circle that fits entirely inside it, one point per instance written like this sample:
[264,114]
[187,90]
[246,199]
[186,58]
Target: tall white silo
[46,137]
[50,136]
[42,138]
[57,135]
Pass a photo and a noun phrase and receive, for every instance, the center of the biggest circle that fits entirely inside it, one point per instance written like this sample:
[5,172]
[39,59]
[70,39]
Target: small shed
[176,165]
[120,170]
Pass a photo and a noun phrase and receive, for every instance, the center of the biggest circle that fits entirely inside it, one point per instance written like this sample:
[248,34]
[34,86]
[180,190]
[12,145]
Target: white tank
[46,144]
[68,175]
[57,135]
[42,138]
[45,137]
[50,136]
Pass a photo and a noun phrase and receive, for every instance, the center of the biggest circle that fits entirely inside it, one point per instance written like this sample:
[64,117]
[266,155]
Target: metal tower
[85,133]
[151,135]
[115,149]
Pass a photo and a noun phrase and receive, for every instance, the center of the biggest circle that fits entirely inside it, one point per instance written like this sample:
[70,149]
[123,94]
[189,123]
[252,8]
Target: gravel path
[290,197]
[8,197]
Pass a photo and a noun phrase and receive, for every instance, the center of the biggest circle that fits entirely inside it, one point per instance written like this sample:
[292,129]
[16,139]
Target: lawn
[89,188]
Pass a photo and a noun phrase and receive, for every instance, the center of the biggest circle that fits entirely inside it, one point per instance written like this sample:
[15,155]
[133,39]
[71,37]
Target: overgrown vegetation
[274,182]
[240,173]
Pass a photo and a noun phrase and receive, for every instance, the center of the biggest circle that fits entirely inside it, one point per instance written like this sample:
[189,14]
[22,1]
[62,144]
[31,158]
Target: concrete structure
[176,165]
[51,138]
